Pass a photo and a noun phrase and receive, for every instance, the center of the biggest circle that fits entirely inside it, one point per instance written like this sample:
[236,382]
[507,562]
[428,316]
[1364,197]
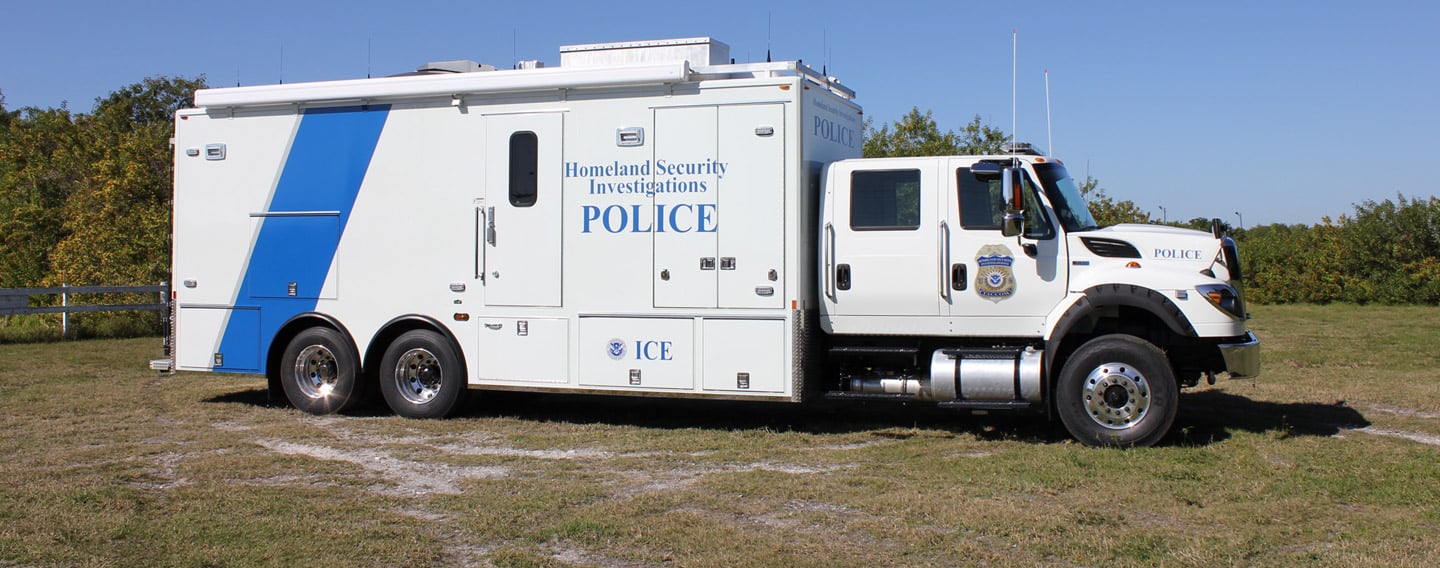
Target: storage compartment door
[299,256]
[637,353]
[532,350]
[745,356]
[198,344]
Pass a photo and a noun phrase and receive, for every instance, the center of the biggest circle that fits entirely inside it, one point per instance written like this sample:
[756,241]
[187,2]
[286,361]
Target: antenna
[368,59]
[1049,139]
[1014,57]
[825,52]
[514,48]
[769,34]
[282,63]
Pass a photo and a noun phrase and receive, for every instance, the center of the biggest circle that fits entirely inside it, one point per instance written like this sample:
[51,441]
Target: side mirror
[1014,220]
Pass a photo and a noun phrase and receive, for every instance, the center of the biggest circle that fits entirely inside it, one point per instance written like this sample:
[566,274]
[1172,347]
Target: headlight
[1225,298]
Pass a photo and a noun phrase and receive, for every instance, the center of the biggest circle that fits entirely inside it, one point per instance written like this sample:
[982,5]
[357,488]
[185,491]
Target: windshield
[1065,196]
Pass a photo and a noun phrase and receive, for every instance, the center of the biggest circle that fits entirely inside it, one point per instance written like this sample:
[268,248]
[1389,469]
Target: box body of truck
[641,227]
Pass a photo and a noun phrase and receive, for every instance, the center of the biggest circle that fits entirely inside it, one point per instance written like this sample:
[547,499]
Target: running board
[873,350]
[1006,405]
[881,397]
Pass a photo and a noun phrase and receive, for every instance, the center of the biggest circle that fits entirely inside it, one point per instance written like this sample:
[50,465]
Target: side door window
[885,200]
[982,205]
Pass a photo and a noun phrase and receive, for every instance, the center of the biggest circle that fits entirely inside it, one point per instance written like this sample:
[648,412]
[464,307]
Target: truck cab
[983,282]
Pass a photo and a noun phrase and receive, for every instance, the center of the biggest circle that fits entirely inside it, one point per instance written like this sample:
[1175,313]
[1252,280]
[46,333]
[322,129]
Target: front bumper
[1242,360]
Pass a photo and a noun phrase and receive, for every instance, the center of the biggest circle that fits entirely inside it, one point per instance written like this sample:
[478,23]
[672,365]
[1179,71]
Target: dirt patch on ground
[407,478]
[1423,438]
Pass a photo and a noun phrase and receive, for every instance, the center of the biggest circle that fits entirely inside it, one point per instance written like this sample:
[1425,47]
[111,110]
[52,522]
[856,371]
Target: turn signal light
[1225,298]
[462,317]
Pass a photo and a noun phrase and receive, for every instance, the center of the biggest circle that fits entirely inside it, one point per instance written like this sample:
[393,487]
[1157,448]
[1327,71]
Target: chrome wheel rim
[417,376]
[1116,396]
[316,373]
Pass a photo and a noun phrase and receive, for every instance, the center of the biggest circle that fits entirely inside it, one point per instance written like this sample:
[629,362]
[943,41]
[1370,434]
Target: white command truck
[653,219]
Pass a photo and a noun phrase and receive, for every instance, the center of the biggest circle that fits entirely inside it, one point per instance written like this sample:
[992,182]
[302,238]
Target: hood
[1153,243]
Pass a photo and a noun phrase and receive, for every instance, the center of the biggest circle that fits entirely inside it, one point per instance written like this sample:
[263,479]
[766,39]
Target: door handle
[945,276]
[829,261]
[482,236]
[958,278]
[842,277]
[490,226]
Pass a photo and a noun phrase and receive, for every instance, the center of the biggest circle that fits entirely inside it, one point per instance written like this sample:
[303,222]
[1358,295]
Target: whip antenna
[1049,139]
[1014,56]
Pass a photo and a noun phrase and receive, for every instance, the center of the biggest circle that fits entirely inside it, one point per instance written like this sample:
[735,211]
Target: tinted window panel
[524,164]
[885,200]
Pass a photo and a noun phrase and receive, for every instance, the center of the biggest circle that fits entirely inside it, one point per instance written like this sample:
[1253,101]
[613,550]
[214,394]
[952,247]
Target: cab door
[999,285]
[881,248]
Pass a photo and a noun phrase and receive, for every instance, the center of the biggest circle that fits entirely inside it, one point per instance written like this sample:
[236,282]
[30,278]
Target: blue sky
[1283,111]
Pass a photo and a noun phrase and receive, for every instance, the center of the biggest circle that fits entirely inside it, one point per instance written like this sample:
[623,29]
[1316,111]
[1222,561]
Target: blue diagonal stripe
[323,173]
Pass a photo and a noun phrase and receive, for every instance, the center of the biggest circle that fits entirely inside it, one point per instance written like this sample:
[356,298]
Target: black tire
[1118,391]
[320,372]
[420,375]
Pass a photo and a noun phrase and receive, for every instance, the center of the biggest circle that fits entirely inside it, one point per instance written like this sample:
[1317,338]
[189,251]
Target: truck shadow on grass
[1205,417]
[1211,416]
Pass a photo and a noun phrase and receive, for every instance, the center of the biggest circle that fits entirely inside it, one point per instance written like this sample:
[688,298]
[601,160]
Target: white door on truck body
[1000,285]
[521,215]
[752,206]
[881,237]
[685,197]
[719,203]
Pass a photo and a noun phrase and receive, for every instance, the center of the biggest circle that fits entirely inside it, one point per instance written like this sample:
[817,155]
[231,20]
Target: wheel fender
[402,324]
[1107,295]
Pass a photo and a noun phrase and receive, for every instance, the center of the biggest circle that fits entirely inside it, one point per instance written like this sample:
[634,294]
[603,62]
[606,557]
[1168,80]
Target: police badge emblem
[615,349]
[995,279]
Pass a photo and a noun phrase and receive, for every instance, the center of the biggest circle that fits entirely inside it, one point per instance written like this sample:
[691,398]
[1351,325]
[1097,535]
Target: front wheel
[1117,390]
[420,375]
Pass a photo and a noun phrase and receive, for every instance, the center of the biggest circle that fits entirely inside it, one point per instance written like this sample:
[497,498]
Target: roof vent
[697,50]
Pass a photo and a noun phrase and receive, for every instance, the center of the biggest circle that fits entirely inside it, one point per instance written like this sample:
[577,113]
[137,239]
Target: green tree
[1393,251]
[42,159]
[117,219]
[5,116]
[977,138]
[1106,210]
[917,134]
[1292,263]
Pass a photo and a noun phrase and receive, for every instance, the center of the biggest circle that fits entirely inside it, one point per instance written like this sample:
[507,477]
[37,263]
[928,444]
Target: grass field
[1332,457]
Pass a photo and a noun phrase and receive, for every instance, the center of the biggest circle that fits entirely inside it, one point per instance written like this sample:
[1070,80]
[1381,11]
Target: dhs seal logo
[995,280]
[615,349]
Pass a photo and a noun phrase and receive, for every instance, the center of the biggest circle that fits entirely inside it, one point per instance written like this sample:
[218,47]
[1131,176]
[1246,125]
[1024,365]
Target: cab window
[885,200]
[982,205]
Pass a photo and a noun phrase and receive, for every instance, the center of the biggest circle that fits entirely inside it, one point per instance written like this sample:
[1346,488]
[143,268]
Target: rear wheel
[1117,390]
[320,372]
[420,375]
